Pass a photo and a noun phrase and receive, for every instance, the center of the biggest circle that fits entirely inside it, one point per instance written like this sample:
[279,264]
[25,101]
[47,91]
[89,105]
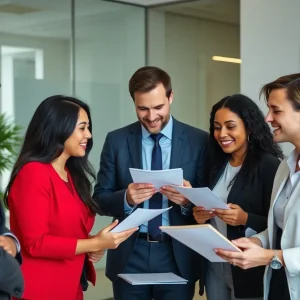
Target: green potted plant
[10,141]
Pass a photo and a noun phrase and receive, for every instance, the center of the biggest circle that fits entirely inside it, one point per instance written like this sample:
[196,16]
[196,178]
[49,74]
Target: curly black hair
[260,136]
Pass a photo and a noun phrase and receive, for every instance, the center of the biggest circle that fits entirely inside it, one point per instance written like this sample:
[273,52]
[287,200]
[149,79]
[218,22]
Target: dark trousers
[279,289]
[152,258]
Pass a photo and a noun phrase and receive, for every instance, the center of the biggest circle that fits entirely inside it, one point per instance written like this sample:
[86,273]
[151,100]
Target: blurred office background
[90,48]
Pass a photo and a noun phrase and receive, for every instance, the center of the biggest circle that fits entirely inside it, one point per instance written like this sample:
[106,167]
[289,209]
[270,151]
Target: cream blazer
[290,241]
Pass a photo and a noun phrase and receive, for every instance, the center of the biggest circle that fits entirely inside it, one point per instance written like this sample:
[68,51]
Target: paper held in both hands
[202,239]
[157,178]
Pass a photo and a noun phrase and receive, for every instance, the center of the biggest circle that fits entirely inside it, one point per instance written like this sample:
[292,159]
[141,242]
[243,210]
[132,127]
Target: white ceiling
[52,18]
[227,11]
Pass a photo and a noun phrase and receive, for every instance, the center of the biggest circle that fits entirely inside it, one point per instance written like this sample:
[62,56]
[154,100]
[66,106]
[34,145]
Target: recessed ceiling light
[17,9]
[227,59]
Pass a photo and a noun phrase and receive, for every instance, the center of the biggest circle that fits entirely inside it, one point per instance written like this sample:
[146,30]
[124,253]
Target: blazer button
[18,292]
[293,288]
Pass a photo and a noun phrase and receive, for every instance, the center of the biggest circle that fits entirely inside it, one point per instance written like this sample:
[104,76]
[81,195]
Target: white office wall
[184,46]
[56,53]
[28,92]
[270,44]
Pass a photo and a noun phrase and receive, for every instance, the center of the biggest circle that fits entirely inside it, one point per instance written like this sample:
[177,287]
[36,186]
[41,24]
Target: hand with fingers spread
[8,244]
[234,216]
[253,255]
[174,196]
[201,215]
[139,192]
[111,240]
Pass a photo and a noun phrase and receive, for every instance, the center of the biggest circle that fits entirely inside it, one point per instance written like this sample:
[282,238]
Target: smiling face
[230,132]
[283,118]
[76,144]
[153,108]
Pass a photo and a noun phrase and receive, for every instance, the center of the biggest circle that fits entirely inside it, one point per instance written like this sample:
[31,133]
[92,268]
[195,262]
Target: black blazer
[11,279]
[254,198]
[123,150]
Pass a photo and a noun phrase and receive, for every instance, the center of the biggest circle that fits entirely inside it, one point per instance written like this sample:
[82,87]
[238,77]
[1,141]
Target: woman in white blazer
[278,247]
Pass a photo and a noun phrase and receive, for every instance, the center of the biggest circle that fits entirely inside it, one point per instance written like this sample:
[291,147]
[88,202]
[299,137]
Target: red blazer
[48,220]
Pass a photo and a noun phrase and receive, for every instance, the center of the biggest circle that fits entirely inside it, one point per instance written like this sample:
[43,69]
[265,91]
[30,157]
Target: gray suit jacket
[11,279]
[123,150]
[290,241]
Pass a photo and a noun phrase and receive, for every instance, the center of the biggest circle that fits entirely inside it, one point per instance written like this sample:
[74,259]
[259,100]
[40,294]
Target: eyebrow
[229,121]
[155,107]
[273,106]
[85,123]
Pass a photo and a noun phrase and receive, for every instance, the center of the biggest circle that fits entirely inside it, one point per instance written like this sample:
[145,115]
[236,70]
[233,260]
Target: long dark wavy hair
[260,136]
[51,125]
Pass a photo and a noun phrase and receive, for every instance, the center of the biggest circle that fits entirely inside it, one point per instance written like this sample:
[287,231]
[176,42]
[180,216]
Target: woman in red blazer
[51,209]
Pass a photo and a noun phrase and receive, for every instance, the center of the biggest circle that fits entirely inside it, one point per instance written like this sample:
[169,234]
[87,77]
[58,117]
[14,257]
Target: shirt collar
[292,160]
[167,130]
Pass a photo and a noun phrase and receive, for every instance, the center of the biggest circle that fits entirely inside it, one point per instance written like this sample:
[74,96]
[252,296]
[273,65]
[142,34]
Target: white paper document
[202,197]
[138,217]
[157,178]
[153,278]
[202,239]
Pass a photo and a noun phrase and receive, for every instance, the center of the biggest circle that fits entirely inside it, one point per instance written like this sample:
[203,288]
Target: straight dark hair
[51,125]
[260,136]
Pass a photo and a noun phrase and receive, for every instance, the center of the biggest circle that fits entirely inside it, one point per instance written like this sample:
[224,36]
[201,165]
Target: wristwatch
[275,262]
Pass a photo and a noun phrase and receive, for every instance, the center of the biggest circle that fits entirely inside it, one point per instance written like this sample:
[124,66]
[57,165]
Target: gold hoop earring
[248,138]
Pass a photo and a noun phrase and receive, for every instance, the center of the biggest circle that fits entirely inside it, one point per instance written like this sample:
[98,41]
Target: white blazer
[290,241]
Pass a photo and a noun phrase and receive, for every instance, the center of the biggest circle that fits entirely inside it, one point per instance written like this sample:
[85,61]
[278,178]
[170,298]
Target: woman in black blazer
[243,163]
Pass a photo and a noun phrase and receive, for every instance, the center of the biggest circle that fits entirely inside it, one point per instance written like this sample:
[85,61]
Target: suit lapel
[282,177]
[280,180]
[215,178]
[135,145]
[178,144]
[235,189]
[80,206]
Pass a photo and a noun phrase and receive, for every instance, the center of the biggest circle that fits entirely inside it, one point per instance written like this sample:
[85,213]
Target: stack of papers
[202,239]
[153,278]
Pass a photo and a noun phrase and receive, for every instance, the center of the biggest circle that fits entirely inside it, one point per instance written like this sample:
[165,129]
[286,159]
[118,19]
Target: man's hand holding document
[203,239]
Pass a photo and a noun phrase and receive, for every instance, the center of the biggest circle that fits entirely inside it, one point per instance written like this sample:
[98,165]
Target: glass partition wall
[85,48]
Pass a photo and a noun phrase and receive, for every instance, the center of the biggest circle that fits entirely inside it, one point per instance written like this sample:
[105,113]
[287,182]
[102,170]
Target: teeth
[226,142]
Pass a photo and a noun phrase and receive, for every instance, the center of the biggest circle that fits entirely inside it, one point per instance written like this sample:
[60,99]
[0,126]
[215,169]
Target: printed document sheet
[138,217]
[153,278]
[157,178]
[202,197]
[202,239]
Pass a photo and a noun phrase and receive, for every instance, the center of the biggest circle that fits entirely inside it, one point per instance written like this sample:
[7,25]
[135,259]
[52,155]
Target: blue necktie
[155,202]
